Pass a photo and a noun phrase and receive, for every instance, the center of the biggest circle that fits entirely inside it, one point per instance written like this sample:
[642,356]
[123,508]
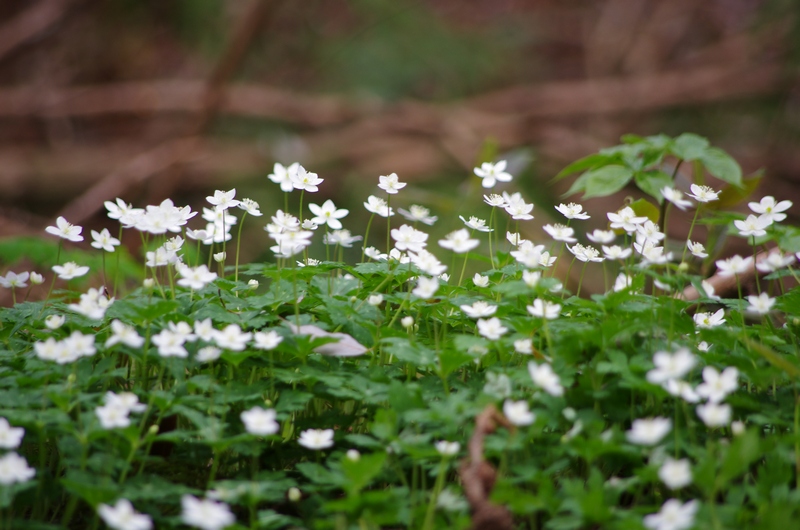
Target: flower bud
[354,455]
[36,278]
[407,322]
[148,283]
[294,494]
[253,284]
[219,257]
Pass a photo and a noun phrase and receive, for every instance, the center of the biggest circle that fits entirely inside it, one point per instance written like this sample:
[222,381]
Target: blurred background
[148,99]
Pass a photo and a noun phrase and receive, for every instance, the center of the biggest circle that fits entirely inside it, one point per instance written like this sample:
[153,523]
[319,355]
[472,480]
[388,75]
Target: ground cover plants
[401,391]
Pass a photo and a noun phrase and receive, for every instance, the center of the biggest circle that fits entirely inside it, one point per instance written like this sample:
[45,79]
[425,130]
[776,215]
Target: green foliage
[310,401]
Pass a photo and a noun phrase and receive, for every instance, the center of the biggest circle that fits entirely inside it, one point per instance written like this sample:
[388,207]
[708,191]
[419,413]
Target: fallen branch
[31,23]
[478,476]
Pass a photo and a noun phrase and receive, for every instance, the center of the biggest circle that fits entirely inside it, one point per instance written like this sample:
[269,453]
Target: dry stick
[31,24]
[724,285]
[92,200]
[478,476]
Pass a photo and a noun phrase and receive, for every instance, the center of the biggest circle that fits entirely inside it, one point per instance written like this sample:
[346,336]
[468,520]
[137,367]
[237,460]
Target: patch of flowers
[308,392]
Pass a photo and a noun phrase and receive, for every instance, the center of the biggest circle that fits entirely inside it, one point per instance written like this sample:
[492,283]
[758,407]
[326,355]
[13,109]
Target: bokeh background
[148,99]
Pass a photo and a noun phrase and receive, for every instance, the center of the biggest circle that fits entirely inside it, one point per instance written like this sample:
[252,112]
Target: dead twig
[478,476]
[31,23]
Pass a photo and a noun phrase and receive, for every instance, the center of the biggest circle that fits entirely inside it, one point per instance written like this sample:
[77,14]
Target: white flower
[603,237]
[707,320]
[623,281]
[774,261]
[560,232]
[458,241]
[753,226]
[544,309]
[195,278]
[737,428]
[514,238]
[375,299]
[283,176]
[12,280]
[572,211]
[122,516]
[219,257]
[208,354]
[390,183]
[204,329]
[342,238]
[303,180]
[545,378]
[703,346]
[671,365]
[316,439]
[761,304]
[675,197]
[113,415]
[446,448]
[125,334]
[205,514]
[267,340]
[70,270]
[518,208]
[523,346]
[528,254]
[52,350]
[54,321]
[476,224]
[675,474]
[407,322]
[703,193]
[409,238]
[716,386]
[80,344]
[36,278]
[518,413]
[531,278]
[328,214]
[497,385]
[170,344]
[126,400]
[418,213]
[260,421]
[253,284]
[427,262]
[625,219]
[353,455]
[648,231]
[480,281]
[616,252]
[183,329]
[714,414]
[426,287]
[250,206]
[697,249]
[681,389]
[648,431]
[479,309]
[673,516]
[492,328]
[495,200]
[378,206]
[14,468]
[709,290]
[223,200]
[10,437]
[652,254]
[103,240]
[232,338]
[585,254]
[492,173]
[65,230]
[770,209]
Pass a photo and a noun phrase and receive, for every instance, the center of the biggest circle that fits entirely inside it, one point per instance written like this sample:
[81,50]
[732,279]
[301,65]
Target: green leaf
[606,180]
[652,182]
[360,472]
[583,164]
[689,146]
[722,165]
[645,208]
[451,360]
[743,451]
[92,489]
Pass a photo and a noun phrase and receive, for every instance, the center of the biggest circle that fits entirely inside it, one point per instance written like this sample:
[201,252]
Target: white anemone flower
[675,197]
[492,173]
[771,209]
[390,183]
[648,431]
[703,193]
[544,309]
[417,213]
[328,214]
[572,211]
[673,516]
[708,320]
[459,241]
[753,226]
[492,328]
[518,413]
[545,378]
[65,230]
[122,516]
[316,439]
